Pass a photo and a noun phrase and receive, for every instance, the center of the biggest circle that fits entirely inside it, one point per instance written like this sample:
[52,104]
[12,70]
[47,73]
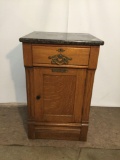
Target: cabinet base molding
[68,131]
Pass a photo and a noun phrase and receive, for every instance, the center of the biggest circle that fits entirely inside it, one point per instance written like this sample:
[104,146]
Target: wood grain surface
[27,54]
[59,96]
[80,56]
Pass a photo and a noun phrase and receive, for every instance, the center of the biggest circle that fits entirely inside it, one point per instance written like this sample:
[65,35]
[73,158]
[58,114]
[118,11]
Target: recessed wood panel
[79,56]
[59,94]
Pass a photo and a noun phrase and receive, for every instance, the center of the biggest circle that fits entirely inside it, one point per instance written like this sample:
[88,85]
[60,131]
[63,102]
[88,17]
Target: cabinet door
[58,94]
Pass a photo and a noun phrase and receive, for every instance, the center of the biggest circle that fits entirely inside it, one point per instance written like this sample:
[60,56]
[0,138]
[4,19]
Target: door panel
[61,94]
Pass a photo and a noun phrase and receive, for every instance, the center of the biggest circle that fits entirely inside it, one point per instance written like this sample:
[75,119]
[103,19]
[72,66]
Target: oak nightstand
[60,70]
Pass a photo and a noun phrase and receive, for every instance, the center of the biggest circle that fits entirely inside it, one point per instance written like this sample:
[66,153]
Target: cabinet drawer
[60,55]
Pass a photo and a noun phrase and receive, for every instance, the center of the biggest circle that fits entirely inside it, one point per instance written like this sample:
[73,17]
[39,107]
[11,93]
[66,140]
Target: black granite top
[61,38]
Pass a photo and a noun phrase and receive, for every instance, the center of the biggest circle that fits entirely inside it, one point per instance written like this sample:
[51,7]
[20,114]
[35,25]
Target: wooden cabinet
[59,79]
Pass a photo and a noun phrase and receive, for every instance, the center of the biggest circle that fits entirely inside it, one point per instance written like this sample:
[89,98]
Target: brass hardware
[38,97]
[60,50]
[59,70]
[59,59]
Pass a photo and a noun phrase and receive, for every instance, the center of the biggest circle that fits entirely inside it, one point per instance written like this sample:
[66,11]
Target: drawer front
[60,55]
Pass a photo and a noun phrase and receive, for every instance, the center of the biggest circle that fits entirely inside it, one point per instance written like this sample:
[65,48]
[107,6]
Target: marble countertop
[61,38]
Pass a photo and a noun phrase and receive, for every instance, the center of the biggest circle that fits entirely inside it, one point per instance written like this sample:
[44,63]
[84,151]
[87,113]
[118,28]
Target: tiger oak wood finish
[59,95]
[41,54]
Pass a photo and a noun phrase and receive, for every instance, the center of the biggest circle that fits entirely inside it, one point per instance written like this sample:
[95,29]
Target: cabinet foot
[31,131]
[83,134]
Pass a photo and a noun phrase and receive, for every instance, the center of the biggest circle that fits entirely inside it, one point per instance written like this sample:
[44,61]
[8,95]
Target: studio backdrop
[98,17]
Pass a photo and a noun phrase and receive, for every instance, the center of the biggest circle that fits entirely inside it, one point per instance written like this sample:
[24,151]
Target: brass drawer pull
[59,59]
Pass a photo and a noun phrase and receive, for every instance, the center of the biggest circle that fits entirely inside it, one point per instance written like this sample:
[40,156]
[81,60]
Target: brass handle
[38,97]
[59,59]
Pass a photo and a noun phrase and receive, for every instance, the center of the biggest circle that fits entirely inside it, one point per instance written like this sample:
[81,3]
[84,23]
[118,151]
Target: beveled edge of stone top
[37,37]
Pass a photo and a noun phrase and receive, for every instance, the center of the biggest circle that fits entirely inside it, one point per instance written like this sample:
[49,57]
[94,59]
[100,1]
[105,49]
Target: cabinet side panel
[87,95]
[79,93]
[93,59]
[30,92]
[27,54]
[86,104]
